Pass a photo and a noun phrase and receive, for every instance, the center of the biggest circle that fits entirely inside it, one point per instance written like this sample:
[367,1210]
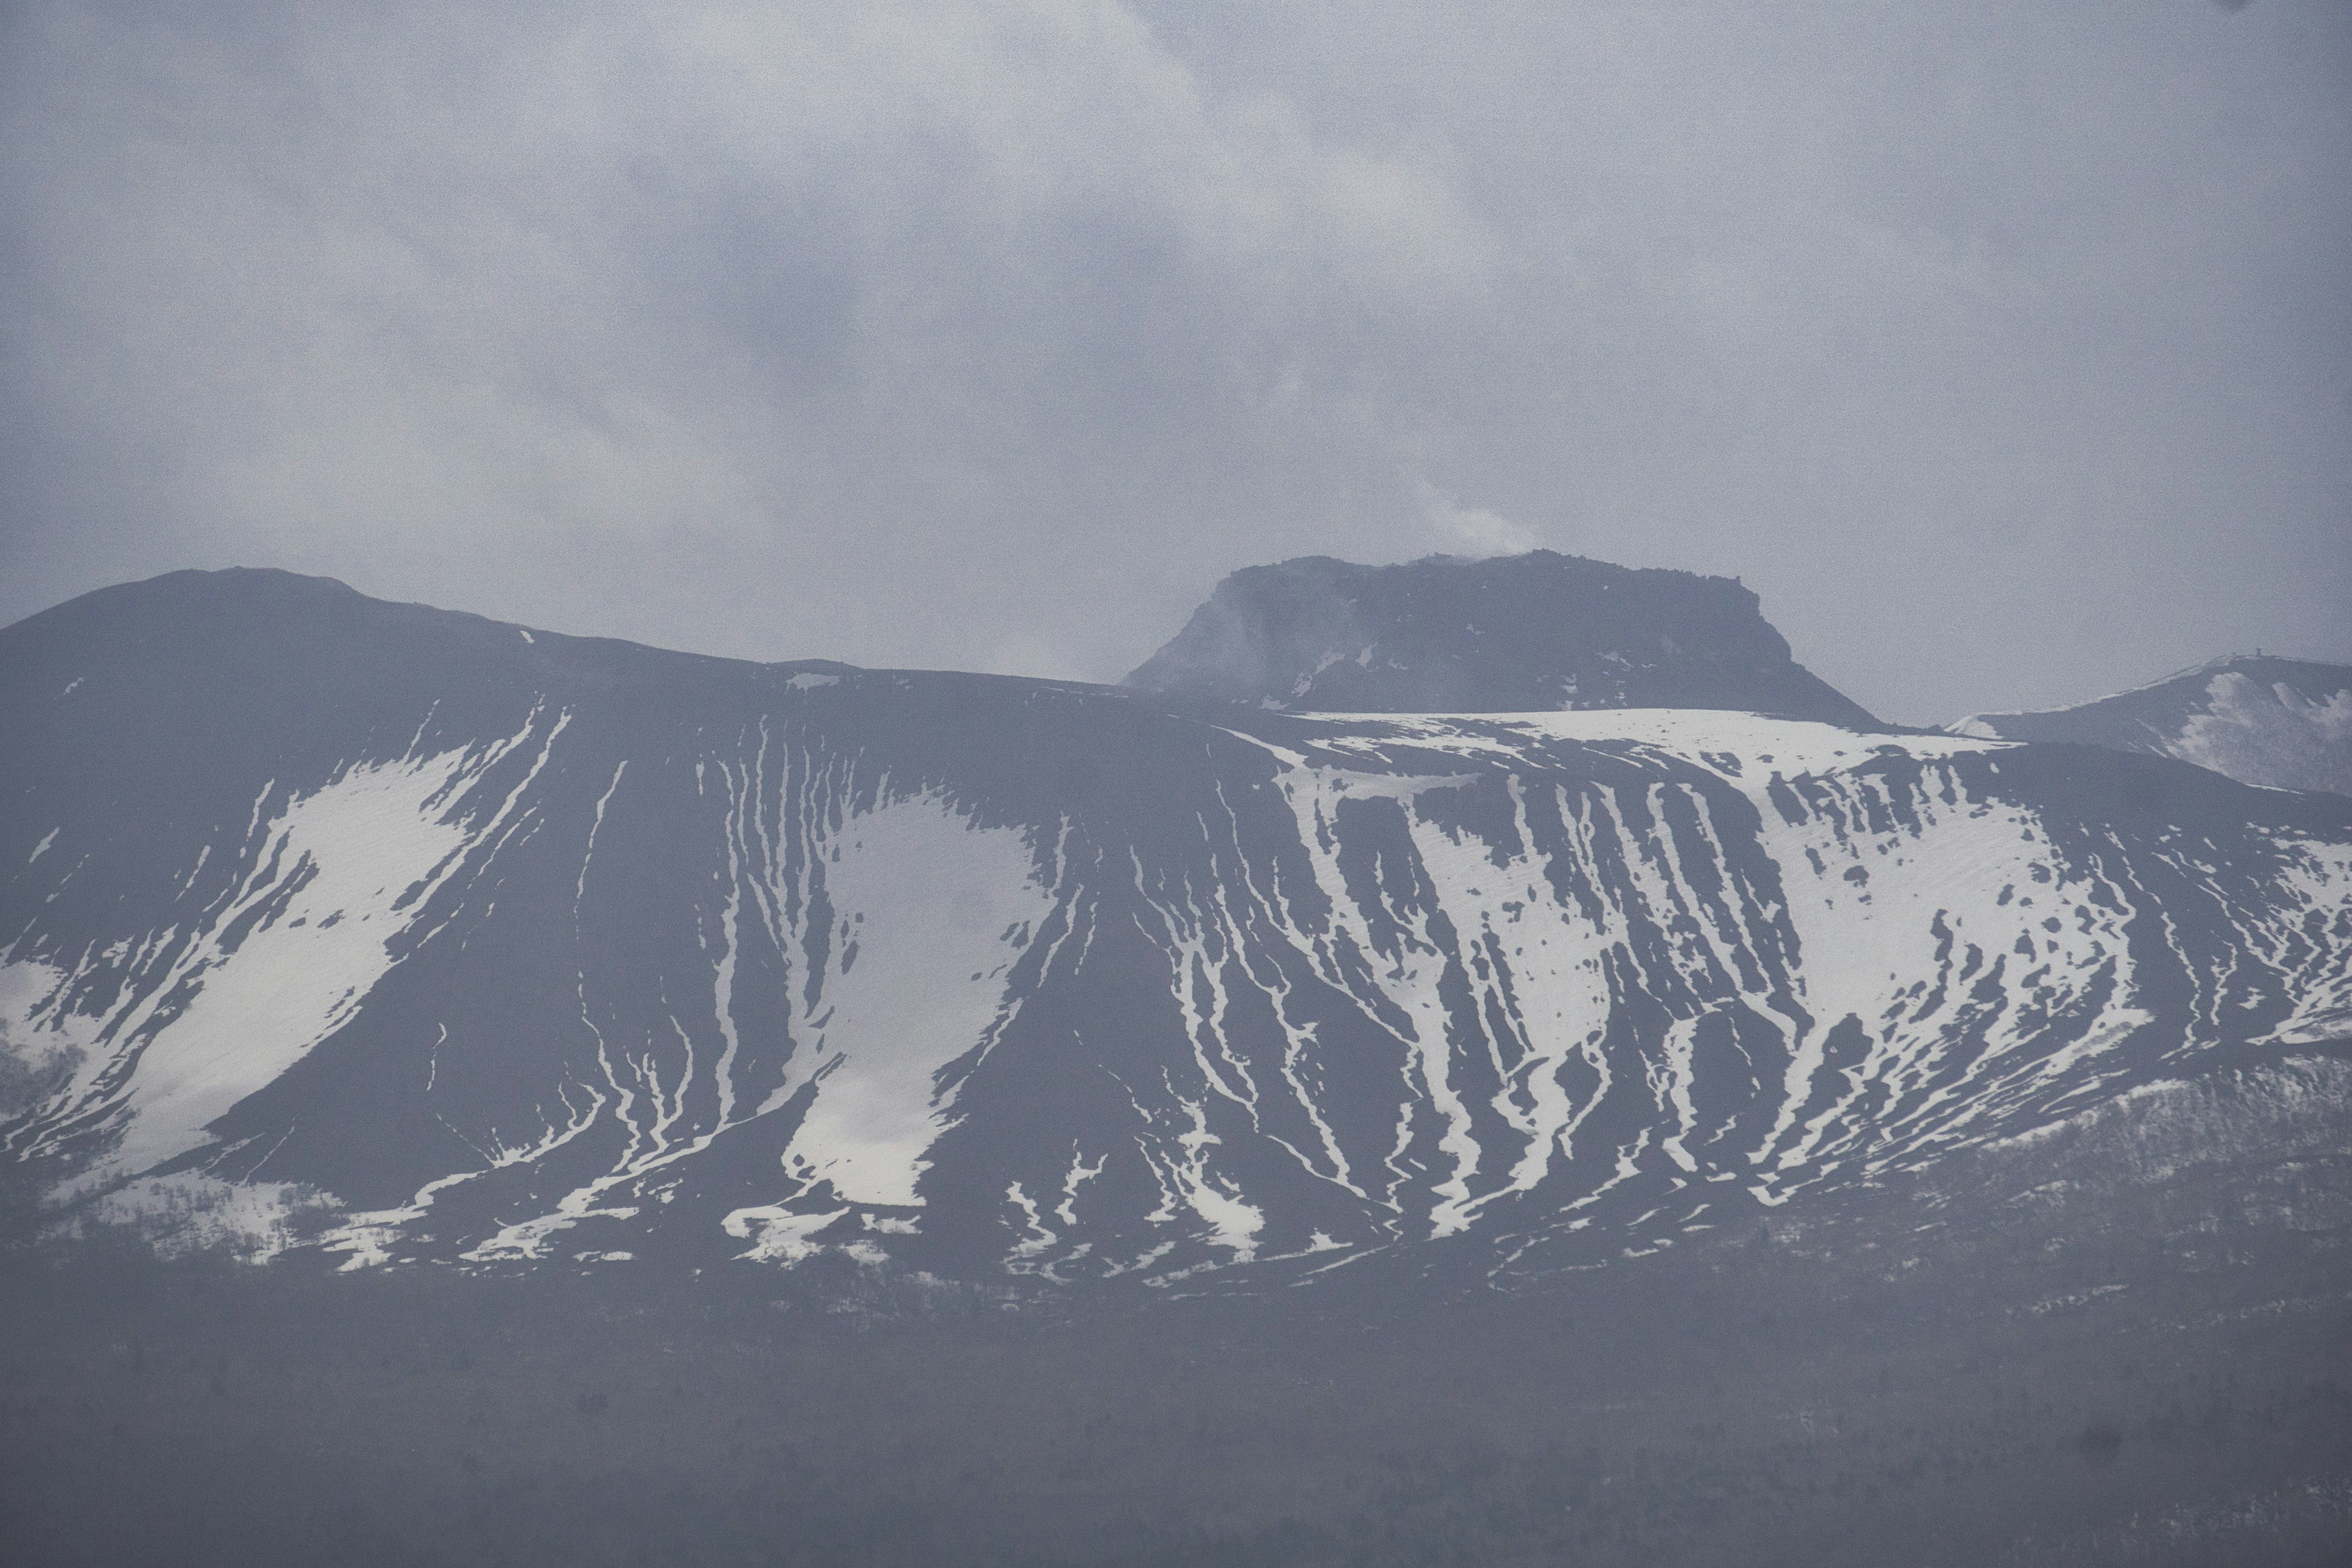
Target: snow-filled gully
[1889,961]
[885,925]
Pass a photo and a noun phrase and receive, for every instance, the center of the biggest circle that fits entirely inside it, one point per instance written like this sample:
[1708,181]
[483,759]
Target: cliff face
[1521,634]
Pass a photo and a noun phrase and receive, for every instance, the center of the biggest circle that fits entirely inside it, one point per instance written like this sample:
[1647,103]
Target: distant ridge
[1533,633]
[2282,723]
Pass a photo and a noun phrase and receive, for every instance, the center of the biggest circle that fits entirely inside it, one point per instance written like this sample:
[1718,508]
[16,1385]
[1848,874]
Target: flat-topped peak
[1506,634]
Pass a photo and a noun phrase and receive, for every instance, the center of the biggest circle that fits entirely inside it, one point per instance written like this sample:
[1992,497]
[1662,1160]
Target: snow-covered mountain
[407,934]
[2282,722]
[1529,633]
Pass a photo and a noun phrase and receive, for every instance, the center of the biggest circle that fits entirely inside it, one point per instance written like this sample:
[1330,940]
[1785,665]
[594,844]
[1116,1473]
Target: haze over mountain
[966,336]
[2282,723]
[409,934]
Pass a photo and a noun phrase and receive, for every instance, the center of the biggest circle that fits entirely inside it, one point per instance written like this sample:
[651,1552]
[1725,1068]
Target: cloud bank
[2002,350]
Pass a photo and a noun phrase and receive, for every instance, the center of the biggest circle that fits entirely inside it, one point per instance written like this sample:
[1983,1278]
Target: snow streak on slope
[329,891]
[837,965]
[858,945]
[1750,952]
[1983,973]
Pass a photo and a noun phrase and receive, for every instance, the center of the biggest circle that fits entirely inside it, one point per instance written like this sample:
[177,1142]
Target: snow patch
[189,1213]
[280,965]
[2271,735]
[777,1235]
[936,904]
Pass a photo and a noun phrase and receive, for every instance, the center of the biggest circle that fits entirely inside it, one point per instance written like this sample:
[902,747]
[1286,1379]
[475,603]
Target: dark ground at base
[2047,1391]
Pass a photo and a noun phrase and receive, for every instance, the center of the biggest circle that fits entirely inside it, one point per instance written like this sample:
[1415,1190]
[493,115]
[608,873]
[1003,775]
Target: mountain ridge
[2279,722]
[428,938]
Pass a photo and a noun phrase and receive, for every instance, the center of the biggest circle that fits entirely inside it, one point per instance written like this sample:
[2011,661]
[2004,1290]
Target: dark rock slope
[1523,634]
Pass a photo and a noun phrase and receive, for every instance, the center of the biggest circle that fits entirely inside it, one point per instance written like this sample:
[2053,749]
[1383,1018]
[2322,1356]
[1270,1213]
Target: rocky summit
[1523,634]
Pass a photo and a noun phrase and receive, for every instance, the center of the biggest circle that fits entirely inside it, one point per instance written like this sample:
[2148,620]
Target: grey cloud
[2000,347]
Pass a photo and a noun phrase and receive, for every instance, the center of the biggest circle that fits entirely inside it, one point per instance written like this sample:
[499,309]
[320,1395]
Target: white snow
[929,911]
[2271,735]
[1942,922]
[369,1236]
[1792,745]
[188,1212]
[777,1235]
[928,897]
[318,878]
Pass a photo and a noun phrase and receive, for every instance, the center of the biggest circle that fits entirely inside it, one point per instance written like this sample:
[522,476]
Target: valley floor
[2047,1385]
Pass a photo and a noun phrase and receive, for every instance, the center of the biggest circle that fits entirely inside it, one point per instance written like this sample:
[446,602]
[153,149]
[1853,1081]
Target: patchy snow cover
[1374,980]
[44,1049]
[777,1235]
[928,905]
[2271,735]
[2284,723]
[1918,965]
[1731,744]
[188,1213]
[896,922]
[327,881]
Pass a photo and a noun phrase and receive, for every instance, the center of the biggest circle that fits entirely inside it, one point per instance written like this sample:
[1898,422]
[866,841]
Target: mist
[2004,351]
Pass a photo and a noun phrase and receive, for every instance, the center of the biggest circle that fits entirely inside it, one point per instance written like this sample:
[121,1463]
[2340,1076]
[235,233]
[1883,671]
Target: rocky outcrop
[1534,633]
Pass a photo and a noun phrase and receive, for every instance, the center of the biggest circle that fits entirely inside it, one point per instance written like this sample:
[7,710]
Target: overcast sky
[2006,349]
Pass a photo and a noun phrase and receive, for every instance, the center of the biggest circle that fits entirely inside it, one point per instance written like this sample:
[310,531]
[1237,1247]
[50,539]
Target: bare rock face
[2286,723]
[1534,633]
